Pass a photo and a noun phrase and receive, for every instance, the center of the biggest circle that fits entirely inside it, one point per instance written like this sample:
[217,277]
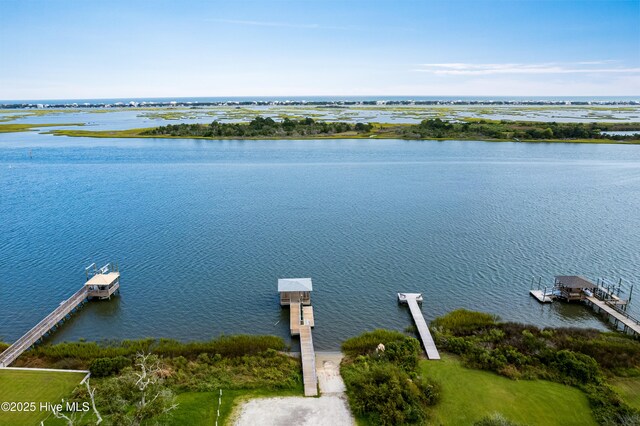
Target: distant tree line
[260,127]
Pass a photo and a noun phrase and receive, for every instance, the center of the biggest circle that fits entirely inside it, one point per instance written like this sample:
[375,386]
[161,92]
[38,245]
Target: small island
[428,129]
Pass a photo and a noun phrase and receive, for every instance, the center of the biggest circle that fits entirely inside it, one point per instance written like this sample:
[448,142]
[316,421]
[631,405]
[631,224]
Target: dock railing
[625,314]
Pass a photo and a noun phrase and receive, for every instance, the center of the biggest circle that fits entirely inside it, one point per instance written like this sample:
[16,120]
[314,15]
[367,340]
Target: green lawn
[468,395]
[629,389]
[36,386]
[200,408]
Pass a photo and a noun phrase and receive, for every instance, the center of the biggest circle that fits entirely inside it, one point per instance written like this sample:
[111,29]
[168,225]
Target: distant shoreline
[319,101]
[380,131]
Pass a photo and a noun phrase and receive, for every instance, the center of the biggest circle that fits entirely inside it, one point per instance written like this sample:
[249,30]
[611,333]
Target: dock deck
[308,356]
[43,327]
[412,299]
[300,323]
[628,322]
[307,316]
[294,319]
[542,296]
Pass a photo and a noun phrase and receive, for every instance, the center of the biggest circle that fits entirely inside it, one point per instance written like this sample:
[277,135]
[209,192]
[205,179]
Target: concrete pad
[331,410]
[328,372]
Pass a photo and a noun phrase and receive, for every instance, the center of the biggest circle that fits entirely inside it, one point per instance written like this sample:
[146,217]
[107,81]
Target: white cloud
[586,67]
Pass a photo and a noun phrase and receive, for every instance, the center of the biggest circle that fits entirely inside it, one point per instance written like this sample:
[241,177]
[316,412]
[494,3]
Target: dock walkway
[308,356]
[628,322]
[425,335]
[300,323]
[43,327]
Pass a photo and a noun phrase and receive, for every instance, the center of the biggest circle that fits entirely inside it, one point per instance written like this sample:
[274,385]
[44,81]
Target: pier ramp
[412,300]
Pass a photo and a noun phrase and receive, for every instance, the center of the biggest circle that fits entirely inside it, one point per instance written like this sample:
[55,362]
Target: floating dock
[296,293]
[412,300]
[543,297]
[102,284]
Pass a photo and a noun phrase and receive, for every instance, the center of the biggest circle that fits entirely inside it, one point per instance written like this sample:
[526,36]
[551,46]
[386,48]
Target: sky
[90,49]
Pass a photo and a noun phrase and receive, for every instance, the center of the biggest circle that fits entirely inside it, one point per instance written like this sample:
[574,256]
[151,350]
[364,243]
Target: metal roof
[574,281]
[294,284]
[103,279]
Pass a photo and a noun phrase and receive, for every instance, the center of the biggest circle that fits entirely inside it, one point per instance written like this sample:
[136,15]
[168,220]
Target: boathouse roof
[294,284]
[103,279]
[574,281]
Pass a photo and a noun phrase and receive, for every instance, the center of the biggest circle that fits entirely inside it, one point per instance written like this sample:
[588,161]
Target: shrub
[103,367]
[385,386]
[405,354]
[578,366]
[386,395]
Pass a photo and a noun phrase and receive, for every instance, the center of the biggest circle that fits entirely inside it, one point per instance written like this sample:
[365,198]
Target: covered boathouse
[103,282]
[574,287]
[295,290]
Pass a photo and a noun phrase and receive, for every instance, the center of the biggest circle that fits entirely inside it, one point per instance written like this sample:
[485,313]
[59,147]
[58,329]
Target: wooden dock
[631,326]
[101,284]
[308,356]
[412,300]
[301,326]
[294,319]
[296,294]
[43,327]
[542,296]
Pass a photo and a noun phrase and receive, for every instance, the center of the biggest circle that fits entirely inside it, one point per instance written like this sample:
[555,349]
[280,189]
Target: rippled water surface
[203,229]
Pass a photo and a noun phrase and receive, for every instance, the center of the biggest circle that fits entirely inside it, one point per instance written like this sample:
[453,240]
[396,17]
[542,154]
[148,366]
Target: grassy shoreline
[138,133]
[26,127]
[488,367]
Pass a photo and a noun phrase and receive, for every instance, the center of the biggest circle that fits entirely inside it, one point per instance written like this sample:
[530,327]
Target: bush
[385,386]
[103,367]
[404,354]
[580,367]
[386,394]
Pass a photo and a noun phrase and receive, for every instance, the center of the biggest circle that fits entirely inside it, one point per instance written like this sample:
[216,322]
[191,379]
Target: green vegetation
[81,355]
[37,386]
[12,128]
[129,133]
[384,384]
[469,396]
[260,127]
[242,366]
[577,357]
[629,388]
[429,129]
[522,130]
[194,408]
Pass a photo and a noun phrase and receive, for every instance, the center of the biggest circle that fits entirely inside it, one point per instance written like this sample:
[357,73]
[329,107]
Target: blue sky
[101,49]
